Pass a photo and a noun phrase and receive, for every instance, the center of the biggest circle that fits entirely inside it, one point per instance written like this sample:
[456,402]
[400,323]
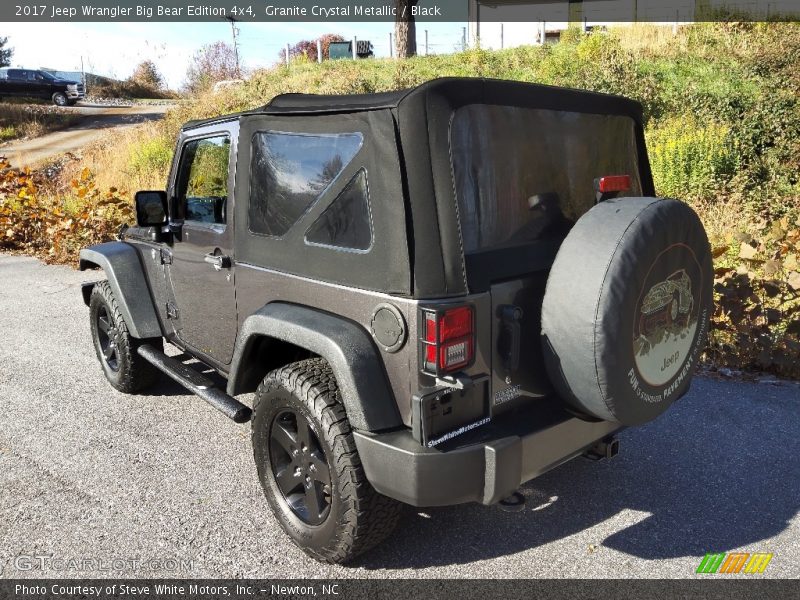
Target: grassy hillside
[723,129]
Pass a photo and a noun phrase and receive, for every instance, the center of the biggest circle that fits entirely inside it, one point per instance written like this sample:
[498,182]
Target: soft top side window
[290,171]
[202,184]
[347,222]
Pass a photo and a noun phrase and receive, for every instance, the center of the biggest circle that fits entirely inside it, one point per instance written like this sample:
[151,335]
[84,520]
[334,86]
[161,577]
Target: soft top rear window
[524,174]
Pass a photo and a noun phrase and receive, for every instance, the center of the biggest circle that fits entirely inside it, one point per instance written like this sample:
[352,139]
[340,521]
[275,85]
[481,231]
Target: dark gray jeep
[436,294]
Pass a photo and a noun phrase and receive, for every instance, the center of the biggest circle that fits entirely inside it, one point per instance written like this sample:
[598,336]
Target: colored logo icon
[735,562]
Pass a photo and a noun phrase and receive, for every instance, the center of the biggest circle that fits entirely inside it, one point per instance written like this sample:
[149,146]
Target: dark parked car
[434,293]
[32,83]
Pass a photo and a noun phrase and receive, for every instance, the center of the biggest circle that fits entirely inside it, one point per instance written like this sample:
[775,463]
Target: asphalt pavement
[163,485]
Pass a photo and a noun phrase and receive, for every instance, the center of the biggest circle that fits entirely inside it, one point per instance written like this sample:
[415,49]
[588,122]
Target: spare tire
[626,308]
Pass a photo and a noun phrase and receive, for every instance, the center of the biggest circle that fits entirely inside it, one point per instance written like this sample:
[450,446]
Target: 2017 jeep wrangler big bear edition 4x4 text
[436,294]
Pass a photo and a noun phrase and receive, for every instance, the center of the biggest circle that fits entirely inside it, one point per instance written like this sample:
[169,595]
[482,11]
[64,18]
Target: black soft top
[414,126]
[460,90]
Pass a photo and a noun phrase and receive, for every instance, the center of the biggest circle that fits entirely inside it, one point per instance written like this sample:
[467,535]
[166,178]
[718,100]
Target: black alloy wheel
[107,336]
[300,467]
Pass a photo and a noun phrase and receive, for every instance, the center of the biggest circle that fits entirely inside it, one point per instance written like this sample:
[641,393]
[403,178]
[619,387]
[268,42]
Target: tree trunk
[405,29]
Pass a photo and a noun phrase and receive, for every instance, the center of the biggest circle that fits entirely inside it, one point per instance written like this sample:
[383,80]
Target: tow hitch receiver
[608,447]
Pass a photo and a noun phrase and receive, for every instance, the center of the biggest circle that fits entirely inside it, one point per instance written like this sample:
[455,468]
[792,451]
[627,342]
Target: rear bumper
[487,465]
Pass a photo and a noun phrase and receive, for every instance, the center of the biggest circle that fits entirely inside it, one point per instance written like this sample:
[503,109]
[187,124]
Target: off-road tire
[132,373]
[358,517]
[60,99]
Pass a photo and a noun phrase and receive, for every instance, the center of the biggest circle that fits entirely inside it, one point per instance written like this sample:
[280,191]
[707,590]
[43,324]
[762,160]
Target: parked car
[33,83]
[434,293]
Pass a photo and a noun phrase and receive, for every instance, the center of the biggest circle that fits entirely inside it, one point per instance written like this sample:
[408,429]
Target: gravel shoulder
[87,472]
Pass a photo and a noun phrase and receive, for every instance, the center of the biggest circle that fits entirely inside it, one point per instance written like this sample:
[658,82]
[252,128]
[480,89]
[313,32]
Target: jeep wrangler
[436,294]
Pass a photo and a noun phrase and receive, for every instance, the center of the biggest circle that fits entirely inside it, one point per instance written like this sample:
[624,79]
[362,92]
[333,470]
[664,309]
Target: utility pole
[319,51]
[355,47]
[463,39]
[235,33]
[426,42]
[391,46]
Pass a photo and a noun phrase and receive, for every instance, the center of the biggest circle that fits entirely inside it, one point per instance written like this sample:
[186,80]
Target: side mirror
[151,209]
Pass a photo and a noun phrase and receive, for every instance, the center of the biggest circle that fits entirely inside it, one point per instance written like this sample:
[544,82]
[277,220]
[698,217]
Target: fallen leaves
[747,252]
[55,229]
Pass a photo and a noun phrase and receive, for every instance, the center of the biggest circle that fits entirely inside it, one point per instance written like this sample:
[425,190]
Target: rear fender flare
[125,275]
[356,362]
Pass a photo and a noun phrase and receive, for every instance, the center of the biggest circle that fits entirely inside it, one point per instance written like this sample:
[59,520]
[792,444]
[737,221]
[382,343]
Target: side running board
[197,383]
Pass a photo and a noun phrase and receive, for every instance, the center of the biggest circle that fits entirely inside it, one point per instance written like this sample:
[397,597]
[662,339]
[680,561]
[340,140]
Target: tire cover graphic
[626,309]
[665,324]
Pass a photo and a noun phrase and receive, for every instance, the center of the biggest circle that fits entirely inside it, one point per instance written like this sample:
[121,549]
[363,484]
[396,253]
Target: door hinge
[166,257]
[172,311]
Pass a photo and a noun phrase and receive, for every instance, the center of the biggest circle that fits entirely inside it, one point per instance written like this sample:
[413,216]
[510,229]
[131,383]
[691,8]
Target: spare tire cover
[626,308]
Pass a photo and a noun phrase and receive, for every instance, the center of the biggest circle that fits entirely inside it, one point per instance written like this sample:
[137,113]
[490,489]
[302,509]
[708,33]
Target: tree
[210,64]
[5,53]
[147,75]
[309,47]
[405,29]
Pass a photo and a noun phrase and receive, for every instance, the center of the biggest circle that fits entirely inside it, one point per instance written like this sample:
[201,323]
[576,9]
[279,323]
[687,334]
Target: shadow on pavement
[718,471]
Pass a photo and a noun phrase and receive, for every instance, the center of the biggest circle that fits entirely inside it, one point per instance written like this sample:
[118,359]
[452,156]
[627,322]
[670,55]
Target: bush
[151,156]
[55,229]
[688,159]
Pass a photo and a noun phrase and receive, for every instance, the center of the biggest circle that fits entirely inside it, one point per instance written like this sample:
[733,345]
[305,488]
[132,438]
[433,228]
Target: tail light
[613,183]
[447,339]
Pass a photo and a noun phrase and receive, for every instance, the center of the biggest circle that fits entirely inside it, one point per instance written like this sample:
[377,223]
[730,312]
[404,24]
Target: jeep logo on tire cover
[666,317]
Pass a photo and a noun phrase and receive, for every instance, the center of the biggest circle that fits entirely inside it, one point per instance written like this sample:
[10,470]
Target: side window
[16,74]
[289,172]
[346,222]
[203,179]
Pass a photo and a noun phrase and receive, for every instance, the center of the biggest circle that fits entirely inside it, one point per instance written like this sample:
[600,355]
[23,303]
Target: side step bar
[197,383]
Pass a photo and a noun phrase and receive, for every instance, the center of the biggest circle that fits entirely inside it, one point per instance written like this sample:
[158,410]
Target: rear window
[525,174]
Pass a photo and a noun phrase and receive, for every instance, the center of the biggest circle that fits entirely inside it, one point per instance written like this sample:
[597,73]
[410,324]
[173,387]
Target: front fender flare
[356,363]
[125,275]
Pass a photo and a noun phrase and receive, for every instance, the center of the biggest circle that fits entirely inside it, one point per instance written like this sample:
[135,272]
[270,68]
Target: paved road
[96,119]
[86,472]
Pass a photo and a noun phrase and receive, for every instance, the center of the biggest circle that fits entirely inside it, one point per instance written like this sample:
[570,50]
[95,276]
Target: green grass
[9,132]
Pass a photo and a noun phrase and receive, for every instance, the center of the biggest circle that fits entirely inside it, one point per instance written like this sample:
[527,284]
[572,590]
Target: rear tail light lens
[455,355]
[447,339]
